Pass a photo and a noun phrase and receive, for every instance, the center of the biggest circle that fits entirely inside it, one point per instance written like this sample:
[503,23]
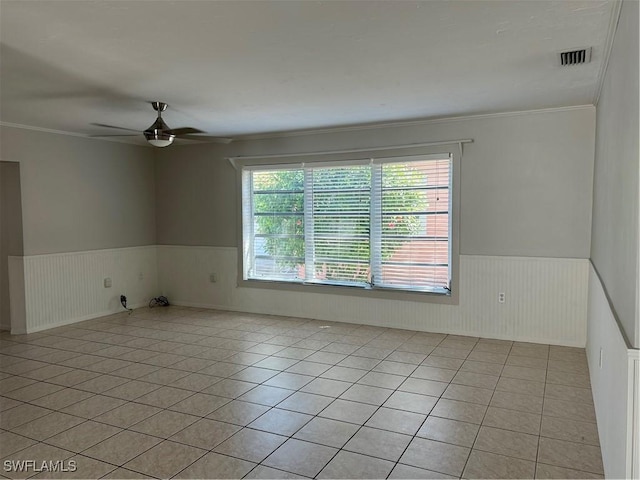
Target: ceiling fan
[160,135]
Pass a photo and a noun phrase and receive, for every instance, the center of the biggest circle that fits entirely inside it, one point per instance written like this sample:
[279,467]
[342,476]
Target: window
[374,224]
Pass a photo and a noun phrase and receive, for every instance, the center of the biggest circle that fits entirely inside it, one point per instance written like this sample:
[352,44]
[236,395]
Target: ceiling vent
[575,57]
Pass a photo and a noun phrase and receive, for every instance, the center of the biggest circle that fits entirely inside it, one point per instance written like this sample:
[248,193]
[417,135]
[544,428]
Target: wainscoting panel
[68,287]
[546,298]
[614,369]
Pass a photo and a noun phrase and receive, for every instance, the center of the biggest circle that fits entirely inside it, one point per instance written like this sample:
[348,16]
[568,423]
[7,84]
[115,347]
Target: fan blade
[185,131]
[120,135]
[113,126]
[206,138]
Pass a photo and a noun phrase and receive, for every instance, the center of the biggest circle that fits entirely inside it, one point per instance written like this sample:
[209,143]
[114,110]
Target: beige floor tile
[378,443]
[551,471]
[164,397]
[327,387]
[279,363]
[396,421]
[135,371]
[382,380]
[530,350]
[325,431]
[344,374]
[411,402]
[348,411]
[423,387]
[294,353]
[443,362]
[83,436]
[488,357]
[408,357]
[251,445]
[238,413]
[490,465]
[449,431]
[229,388]
[571,430]
[354,465]
[522,387]
[305,403]
[474,379]
[516,401]
[165,459]
[505,442]
[569,393]
[367,394]
[524,373]
[395,368]
[282,422]
[254,374]
[224,467]
[483,368]
[47,426]
[581,412]
[121,448]
[300,457]
[464,393]
[107,365]
[576,456]
[531,362]
[83,467]
[291,381]
[263,472]
[164,376]
[435,456]
[123,473]
[513,420]
[164,424]
[205,433]
[362,363]
[11,443]
[93,406]
[462,411]
[265,395]
[33,392]
[39,452]
[20,415]
[434,373]
[73,378]
[7,403]
[131,390]
[126,415]
[199,404]
[401,471]
[569,379]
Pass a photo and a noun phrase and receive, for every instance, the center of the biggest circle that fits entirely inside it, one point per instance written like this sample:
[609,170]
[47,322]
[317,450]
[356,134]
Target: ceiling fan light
[159,139]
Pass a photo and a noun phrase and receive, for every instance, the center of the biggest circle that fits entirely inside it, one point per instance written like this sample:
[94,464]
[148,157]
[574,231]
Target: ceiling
[237,68]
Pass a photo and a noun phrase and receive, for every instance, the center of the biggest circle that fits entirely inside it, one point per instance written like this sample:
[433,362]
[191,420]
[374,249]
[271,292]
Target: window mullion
[375,225]
[309,241]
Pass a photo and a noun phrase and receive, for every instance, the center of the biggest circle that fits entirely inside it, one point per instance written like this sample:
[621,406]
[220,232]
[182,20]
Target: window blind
[383,223]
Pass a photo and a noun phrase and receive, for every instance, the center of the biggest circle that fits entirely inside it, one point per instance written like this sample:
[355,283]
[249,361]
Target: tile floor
[187,393]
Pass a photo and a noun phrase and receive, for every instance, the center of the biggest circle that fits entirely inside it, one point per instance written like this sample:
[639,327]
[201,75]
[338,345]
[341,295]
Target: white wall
[81,194]
[526,181]
[546,297]
[614,238]
[85,204]
[613,318]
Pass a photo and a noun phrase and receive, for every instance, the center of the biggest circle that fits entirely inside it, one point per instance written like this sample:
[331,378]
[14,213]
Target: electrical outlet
[213,278]
[141,276]
[107,282]
[501,297]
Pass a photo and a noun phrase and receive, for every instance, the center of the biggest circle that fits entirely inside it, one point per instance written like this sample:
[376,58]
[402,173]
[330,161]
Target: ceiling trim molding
[65,132]
[320,131]
[608,47]
[405,123]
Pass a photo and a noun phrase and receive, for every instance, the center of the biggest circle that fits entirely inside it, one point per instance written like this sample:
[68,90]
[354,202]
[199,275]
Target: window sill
[353,291]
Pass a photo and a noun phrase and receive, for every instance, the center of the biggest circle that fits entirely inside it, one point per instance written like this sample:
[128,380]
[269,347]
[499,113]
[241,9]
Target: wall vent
[575,57]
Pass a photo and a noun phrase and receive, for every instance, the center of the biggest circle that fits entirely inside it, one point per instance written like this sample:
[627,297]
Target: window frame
[453,150]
